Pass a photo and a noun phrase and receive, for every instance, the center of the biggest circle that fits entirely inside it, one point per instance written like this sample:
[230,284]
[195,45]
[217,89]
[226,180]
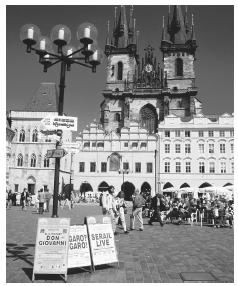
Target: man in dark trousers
[156,204]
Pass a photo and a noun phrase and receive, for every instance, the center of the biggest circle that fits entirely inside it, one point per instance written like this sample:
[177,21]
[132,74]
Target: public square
[172,253]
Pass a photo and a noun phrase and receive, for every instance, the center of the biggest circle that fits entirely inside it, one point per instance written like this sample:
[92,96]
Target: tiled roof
[45,99]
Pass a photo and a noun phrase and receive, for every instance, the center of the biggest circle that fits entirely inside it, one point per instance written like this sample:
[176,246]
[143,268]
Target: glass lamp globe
[44,44]
[87,33]
[68,50]
[29,34]
[97,57]
[90,49]
[60,35]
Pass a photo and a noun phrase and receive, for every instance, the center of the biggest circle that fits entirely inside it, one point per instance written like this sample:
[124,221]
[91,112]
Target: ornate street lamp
[87,54]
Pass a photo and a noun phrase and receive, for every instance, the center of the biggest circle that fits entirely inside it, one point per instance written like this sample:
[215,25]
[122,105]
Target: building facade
[29,166]
[9,137]
[152,133]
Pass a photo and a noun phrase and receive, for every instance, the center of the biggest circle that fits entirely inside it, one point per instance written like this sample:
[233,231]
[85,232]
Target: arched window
[46,162]
[117,117]
[19,160]
[119,70]
[35,136]
[114,162]
[179,67]
[33,160]
[148,118]
[22,136]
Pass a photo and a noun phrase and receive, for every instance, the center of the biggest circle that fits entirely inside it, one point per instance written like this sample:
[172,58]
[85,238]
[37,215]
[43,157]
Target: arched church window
[35,136]
[119,70]
[33,160]
[114,162]
[117,117]
[22,136]
[179,67]
[148,118]
[19,160]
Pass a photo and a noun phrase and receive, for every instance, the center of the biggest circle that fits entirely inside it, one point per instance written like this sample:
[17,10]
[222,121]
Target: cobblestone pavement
[155,255]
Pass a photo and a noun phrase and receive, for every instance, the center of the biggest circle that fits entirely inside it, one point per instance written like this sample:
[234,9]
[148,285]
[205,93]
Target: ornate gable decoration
[149,74]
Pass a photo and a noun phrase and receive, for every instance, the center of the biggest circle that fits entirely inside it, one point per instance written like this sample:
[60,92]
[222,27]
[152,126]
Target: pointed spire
[193,38]
[134,31]
[108,33]
[131,22]
[168,23]
[186,20]
[177,29]
[115,20]
[163,33]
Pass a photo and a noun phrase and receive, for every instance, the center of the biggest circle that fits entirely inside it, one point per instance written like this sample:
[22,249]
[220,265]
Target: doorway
[31,189]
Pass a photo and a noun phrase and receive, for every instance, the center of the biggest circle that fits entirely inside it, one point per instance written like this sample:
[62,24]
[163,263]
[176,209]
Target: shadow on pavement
[42,277]
[17,253]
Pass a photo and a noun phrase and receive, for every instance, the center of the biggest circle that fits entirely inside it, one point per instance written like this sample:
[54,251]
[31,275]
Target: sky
[214,65]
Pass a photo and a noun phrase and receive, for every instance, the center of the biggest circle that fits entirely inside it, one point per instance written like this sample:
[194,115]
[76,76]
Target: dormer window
[179,67]
[119,70]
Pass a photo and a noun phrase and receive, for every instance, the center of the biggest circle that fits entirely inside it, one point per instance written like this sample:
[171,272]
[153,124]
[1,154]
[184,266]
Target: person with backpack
[138,203]
[157,204]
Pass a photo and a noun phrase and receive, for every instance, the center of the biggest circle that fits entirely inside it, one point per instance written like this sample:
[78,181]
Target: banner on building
[101,239]
[51,250]
[79,252]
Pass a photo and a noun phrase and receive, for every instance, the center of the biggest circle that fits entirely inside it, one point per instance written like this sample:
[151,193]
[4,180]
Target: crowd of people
[41,201]
[218,210]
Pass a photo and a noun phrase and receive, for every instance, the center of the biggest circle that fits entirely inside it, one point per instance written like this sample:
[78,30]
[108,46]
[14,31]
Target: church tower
[178,46]
[122,59]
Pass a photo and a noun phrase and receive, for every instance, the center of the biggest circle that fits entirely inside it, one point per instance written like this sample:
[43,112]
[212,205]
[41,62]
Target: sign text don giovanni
[51,246]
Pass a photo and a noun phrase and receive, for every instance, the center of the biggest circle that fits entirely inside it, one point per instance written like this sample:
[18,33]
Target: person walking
[121,207]
[109,206]
[41,198]
[24,198]
[47,199]
[156,205]
[138,202]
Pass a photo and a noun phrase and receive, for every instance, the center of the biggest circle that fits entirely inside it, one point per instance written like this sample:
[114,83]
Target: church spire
[108,33]
[163,32]
[186,20]
[131,26]
[177,28]
[124,33]
[193,38]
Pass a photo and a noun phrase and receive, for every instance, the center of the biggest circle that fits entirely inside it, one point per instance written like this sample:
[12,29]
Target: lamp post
[87,55]
[123,172]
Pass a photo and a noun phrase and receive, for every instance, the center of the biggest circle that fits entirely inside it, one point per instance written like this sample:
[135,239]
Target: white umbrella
[171,189]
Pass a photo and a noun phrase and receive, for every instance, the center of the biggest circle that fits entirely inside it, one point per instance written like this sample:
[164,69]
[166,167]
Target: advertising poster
[102,243]
[51,248]
[79,253]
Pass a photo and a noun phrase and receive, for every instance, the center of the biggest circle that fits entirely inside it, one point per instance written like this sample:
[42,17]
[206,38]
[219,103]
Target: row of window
[201,167]
[104,168]
[201,148]
[34,138]
[95,144]
[32,161]
[187,133]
